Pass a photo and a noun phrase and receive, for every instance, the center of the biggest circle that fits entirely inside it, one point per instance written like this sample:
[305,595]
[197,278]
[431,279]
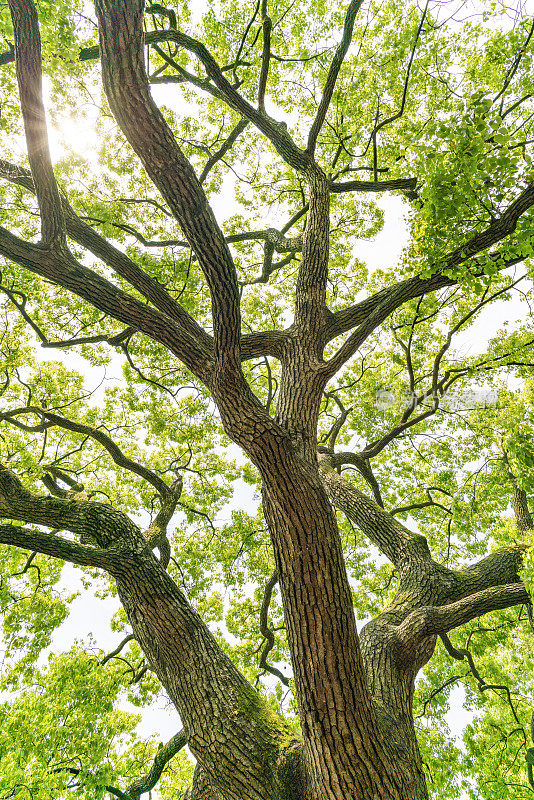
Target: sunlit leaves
[66,728]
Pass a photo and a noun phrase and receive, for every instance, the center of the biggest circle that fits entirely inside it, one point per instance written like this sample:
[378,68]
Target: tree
[423,104]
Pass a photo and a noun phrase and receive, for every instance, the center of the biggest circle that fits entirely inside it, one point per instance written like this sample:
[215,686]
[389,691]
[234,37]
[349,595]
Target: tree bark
[521,511]
[235,736]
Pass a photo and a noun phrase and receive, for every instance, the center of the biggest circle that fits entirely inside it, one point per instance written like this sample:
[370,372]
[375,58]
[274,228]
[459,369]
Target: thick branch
[148,286]
[128,93]
[440,619]
[384,302]
[156,534]
[310,293]
[253,345]
[62,269]
[402,184]
[275,131]
[28,64]
[90,520]
[498,230]
[87,237]
[522,514]
[397,543]
[498,569]
[263,343]
[408,289]
[55,546]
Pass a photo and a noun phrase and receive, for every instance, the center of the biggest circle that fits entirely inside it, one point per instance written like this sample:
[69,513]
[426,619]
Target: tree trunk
[343,746]
[236,737]
[355,707]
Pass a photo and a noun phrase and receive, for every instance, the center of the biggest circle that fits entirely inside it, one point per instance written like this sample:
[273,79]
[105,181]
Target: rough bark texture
[521,510]
[354,692]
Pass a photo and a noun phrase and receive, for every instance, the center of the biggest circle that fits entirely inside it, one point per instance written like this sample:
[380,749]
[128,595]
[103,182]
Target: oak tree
[200,236]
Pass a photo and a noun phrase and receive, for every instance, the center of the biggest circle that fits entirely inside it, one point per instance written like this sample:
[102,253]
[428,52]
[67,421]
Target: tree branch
[434,620]
[460,654]
[127,89]
[225,147]
[310,292]
[51,545]
[99,436]
[498,569]
[522,514]
[376,309]
[161,759]
[130,637]
[29,77]
[156,534]
[87,237]
[397,543]
[266,630]
[253,344]
[275,131]
[61,268]
[357,460]
[147,782]
[265,55]
[402,184]
[401,292]
[90,520]
[333,73]
[400,112]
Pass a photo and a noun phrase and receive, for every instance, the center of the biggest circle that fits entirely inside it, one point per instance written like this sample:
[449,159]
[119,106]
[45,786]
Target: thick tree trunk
[244,748]
[343,746]
[355,703]
[239,741]
[355,707]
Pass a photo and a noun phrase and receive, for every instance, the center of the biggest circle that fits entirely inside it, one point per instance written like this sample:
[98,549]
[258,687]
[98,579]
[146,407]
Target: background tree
[268,332]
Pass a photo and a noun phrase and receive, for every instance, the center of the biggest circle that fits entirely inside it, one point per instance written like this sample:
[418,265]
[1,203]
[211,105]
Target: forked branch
[89,520]
[61,268]
[99,436]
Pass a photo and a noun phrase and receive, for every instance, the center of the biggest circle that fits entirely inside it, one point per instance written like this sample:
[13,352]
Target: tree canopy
[301,478]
